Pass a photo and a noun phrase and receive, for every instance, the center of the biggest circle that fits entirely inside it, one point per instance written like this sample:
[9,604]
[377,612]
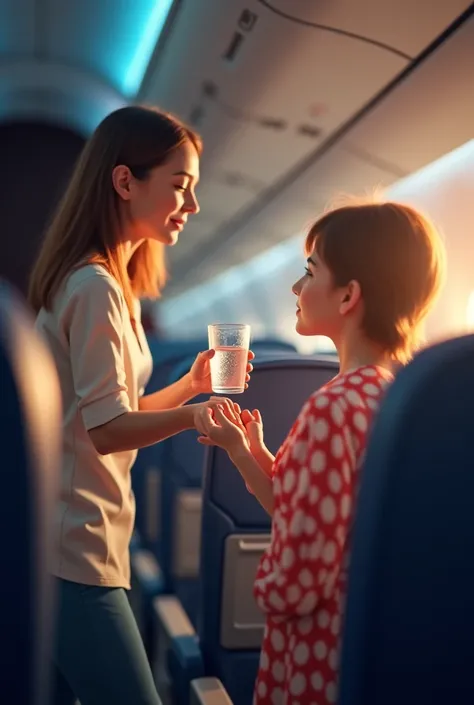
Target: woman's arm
[252,420]
[196,381]
[226,429]
[257,476]
[265,459]
[138,429]
[170,397]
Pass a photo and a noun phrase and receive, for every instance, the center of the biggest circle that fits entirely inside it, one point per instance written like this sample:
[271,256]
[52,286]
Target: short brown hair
[396,255]
[85,227]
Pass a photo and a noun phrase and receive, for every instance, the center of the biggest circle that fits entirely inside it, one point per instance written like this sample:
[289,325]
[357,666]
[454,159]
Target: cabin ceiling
[296,100]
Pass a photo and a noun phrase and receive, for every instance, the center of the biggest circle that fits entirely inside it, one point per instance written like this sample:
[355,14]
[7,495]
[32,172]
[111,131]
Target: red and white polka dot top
[300,583]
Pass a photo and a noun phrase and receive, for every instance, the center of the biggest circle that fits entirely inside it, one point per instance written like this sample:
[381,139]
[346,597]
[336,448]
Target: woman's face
[159,206]
[318,307]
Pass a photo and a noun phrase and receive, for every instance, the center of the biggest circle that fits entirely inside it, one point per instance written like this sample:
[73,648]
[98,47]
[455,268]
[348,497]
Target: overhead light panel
[155,14]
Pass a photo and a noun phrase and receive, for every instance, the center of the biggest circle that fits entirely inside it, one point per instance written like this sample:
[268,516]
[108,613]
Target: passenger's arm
[226,430]
[308,540]
[258,480]
[252,421]
[265,459]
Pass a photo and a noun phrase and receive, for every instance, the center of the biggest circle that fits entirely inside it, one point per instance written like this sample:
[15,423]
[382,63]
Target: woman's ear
[351,295]
[121,180]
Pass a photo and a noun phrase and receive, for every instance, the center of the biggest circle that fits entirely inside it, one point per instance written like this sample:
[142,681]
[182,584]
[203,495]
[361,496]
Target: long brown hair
[398,258]
[85,227]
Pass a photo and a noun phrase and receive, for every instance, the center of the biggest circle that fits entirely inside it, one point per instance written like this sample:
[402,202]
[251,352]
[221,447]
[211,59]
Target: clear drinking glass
[229,365]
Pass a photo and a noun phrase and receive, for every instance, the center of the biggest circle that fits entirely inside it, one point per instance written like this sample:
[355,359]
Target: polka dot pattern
[300,583]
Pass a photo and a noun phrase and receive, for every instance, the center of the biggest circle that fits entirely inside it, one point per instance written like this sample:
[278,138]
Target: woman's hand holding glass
[200,373]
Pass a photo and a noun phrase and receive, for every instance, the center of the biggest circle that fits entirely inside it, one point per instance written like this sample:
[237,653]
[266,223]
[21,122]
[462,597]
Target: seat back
[409,626]
[236,530]
[178,550]
[146,472]
[30,422]
[147,477]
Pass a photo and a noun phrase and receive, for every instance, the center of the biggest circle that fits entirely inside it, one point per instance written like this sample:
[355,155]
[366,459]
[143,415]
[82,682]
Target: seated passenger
[373,272]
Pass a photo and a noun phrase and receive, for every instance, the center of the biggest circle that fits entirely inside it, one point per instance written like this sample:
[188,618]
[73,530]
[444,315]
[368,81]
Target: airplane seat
[181,498]
[147,475]
[146,472]
[30,433]
[409,625]
[181,508]
[272,344]
[235,531]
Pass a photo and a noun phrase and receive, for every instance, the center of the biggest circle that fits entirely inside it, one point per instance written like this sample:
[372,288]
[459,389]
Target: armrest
[171,618]
[178,656]
[146,572]
[208,691]
[185,664]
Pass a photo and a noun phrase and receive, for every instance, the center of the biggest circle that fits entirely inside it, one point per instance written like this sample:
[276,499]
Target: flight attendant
[130,196]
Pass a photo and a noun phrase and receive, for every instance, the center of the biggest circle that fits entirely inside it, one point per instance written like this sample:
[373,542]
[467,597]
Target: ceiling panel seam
[335,30]
[216,242]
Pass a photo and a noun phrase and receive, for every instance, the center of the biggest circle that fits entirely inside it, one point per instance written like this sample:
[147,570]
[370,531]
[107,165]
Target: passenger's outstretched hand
[221,426]
[253,424]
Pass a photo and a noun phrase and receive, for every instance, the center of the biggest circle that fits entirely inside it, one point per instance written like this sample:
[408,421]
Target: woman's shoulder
[90,278]
[88,291]
[352,389]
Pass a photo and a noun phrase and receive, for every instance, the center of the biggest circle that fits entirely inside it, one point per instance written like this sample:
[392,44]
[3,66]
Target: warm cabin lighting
[470,312]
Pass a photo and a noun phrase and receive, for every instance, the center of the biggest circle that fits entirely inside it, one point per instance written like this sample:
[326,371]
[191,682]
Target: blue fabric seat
[166,355]
[408,635]
[30,423]
[167,485]
[180,496]
[229,648]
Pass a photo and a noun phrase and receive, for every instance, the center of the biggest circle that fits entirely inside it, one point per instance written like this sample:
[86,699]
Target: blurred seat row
[199,533]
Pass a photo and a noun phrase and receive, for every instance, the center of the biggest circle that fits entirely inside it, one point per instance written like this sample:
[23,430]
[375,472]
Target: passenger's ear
[121,180]
[351,295]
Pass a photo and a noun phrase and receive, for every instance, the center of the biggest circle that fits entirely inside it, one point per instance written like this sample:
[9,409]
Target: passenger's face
[160,205]
[318,301]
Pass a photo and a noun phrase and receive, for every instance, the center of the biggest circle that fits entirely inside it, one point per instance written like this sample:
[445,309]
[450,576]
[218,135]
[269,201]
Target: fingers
[207,354]
[205,441]
[246,416]
[203,421]
[227,407]
[231,409]
[251,355]
[222,402]
[221,417]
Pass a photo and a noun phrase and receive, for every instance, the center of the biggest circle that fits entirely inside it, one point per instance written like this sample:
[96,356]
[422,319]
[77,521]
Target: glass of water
[229,365]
